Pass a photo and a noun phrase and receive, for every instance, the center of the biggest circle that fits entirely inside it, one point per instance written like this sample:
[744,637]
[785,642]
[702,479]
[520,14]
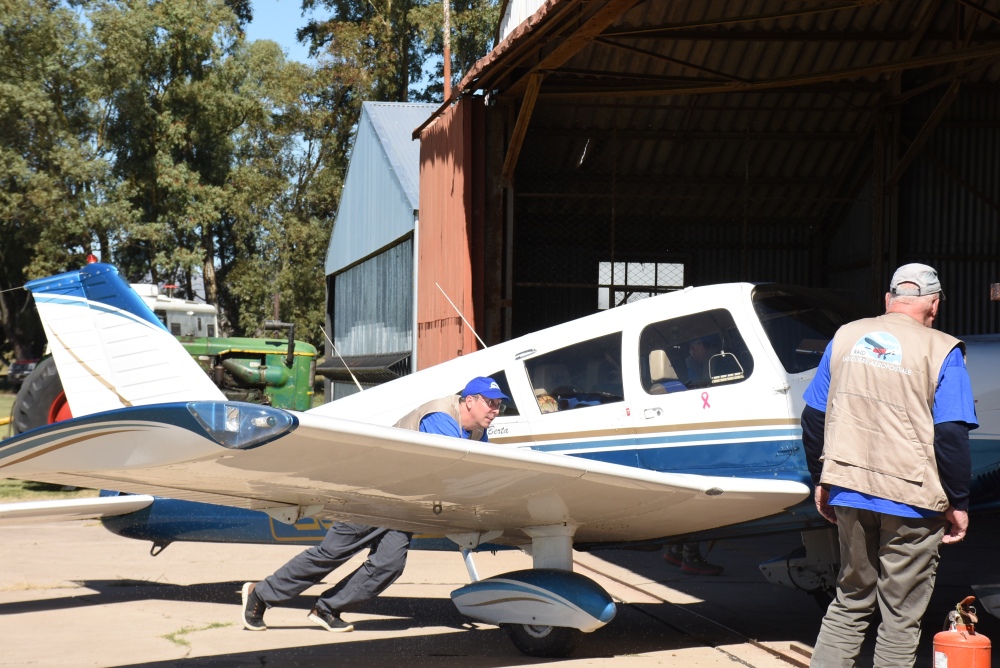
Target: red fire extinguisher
[959,646]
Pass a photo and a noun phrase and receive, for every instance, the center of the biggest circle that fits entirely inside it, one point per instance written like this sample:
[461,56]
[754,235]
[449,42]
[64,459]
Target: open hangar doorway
[634,147]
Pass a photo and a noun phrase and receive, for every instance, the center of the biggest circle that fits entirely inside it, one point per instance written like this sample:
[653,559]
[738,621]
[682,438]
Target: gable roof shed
[381,196]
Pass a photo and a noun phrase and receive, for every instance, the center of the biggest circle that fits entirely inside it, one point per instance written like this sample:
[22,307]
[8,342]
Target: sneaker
[698,566]
[330,622]
[253,608]
[674,555]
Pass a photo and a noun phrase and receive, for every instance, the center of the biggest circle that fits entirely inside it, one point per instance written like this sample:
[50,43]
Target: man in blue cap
[466,415]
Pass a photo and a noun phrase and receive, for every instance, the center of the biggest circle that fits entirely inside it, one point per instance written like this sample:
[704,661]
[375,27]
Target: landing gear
[544,641]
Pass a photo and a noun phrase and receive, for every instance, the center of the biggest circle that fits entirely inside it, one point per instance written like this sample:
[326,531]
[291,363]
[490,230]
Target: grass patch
[6,406]
[26,490]
[177,637]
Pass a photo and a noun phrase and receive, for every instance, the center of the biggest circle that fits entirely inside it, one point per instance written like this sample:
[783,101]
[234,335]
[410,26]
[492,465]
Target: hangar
[606,150]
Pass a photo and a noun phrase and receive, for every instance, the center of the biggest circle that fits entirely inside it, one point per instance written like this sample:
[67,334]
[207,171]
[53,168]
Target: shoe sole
[243,615]
[318,621]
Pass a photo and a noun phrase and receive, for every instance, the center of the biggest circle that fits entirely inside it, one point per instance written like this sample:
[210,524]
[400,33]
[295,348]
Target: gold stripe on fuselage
[652,429]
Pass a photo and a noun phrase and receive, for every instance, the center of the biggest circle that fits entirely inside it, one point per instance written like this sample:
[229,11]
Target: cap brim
[495,394]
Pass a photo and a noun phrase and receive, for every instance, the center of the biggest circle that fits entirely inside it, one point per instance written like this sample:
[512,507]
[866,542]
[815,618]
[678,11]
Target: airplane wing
[71,509]
[299,464]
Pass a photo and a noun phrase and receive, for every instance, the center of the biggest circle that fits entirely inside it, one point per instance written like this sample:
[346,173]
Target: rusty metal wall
[450,252]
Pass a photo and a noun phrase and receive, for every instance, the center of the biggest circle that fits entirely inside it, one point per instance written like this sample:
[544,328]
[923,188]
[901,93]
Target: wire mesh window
[626,282]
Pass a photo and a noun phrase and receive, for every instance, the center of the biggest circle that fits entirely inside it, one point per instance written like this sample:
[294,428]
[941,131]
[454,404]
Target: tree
[53,182]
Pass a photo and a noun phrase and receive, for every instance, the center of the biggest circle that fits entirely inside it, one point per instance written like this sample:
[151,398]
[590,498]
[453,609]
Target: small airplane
[881,350]
[614,437]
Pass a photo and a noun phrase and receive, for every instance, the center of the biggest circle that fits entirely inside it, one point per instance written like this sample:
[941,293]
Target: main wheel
[41,399]
[547,641]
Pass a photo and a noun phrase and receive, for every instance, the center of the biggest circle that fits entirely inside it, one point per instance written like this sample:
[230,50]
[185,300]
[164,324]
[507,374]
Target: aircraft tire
[544,641]
[39,397]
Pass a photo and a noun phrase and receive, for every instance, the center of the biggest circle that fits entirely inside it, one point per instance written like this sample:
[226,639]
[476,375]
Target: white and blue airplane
[617,435]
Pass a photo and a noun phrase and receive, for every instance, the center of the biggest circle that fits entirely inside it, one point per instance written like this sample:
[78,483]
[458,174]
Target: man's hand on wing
[959,525]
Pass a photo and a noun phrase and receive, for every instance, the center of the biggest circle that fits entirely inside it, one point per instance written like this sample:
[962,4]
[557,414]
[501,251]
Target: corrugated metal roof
[381,191]
[743,137]
[394,123]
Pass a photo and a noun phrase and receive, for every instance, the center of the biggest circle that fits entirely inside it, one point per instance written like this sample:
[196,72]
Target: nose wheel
[546,641]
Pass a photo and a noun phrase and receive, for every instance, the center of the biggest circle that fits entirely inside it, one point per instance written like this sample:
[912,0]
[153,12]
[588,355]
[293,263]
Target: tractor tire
[41,399]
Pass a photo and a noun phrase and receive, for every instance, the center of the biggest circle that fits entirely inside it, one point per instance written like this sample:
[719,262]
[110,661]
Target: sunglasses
[494,404]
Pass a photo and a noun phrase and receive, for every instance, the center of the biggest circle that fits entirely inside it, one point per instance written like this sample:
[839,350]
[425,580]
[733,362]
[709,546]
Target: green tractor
[277,372]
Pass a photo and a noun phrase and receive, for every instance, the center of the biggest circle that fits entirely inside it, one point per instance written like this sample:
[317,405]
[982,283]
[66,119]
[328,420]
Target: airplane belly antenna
[461,316]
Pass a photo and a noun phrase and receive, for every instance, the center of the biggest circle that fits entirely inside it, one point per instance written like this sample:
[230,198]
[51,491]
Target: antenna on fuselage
[471,328]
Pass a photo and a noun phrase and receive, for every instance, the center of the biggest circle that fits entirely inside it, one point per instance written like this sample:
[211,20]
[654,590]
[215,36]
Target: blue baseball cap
[487,387]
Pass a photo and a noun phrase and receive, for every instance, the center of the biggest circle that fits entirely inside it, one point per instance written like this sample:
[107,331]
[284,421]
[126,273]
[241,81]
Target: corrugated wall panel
[950,208]
[373,304]
[445,239]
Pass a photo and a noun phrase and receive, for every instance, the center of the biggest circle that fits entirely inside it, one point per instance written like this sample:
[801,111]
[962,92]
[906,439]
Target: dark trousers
[385,562]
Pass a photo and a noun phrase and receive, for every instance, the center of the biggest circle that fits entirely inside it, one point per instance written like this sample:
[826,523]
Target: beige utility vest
[450,405]
[879,435]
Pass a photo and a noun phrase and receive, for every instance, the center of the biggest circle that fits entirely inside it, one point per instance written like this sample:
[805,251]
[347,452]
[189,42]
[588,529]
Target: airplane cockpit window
[800,322]
[693,351]
[508,407]
[584,374]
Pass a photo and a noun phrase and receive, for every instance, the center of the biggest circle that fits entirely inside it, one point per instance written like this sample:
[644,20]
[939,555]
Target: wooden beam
[895,65]
[979,8]
[925,133]
[572,43]
[750,18]
[520,128]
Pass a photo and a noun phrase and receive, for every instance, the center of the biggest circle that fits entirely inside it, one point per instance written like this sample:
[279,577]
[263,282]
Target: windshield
[799,322]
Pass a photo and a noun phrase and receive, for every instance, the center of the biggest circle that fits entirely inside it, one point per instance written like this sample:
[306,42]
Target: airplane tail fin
[110,348]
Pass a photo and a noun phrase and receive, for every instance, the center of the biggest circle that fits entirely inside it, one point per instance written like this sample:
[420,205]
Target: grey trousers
[886,561]
[385,562]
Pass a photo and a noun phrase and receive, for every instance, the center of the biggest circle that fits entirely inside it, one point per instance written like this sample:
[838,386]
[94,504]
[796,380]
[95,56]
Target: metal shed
[620,148]
[369,263]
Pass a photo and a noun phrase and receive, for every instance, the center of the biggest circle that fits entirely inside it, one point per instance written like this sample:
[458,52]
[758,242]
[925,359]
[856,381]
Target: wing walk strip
[698,627]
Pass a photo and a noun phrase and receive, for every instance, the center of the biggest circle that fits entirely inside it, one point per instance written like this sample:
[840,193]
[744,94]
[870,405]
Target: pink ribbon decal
[704,399]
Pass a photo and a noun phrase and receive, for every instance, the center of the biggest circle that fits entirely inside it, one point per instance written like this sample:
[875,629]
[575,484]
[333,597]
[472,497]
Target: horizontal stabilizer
[71,509]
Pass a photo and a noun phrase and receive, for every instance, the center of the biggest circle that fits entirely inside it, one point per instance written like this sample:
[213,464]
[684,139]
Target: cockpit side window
[693,351]
[800,322]
[508,407]
[584,374]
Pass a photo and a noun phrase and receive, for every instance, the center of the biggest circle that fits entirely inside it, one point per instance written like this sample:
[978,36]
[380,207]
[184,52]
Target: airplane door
[701,405]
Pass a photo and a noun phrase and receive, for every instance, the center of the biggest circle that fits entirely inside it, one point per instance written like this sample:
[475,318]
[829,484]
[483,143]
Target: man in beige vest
[886,435]
[463,416]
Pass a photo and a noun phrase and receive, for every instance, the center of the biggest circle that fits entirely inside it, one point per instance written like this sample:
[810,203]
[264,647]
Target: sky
[277,20]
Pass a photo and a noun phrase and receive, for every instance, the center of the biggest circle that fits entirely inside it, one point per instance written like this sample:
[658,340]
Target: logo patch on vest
[879,347]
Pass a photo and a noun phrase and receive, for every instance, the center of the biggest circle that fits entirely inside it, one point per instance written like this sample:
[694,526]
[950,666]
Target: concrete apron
[73,594]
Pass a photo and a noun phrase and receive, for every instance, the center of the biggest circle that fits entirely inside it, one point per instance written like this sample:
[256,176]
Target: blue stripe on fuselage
[770,453]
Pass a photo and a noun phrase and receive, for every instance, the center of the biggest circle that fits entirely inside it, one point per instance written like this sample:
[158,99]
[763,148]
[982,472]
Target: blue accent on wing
[99,284]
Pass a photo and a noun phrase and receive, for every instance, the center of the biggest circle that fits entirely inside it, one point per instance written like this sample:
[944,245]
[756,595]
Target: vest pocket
[874,435]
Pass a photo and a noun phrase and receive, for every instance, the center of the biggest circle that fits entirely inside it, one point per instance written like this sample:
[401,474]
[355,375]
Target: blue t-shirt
[953,402]
[444,424]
